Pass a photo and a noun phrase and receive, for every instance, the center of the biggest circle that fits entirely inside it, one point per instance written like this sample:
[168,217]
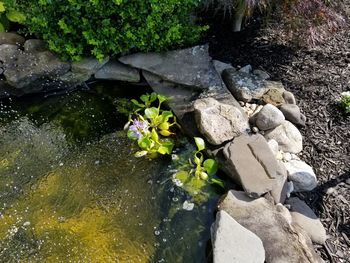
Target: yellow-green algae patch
[91,205]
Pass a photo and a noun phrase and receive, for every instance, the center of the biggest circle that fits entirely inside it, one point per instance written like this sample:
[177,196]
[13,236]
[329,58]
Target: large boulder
[268,117]
[288,137]
[302,175]
[219,122]
[11,38]
[303,216]
[34,45]
[282,240]
[250,163]
[232,243]
[191,67]
[115,70]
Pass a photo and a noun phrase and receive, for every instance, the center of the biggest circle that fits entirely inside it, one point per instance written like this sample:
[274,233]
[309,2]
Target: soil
[317,77]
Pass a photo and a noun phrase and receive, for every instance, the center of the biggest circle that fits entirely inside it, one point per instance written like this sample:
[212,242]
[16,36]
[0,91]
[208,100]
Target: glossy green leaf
[211,166]
[151,113]
[145,98]
[140,154]
[135,102]
[153,97]
[144,143]
[2,7]
[164,126]
[161,98]
[200,143]
[217,182]
[167,115]
[154,135]
[15,16]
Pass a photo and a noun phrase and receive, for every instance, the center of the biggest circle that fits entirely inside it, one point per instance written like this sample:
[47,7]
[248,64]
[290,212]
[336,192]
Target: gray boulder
[283,241]
[303,216]
[280,191]
[221,66]
[289,97]
[250,163]
[302,175]
[269,117]
[34,45]
[244,86]
[287,136]
[232,243]
[219,122]
[11,38]
[261,74]
[191,67]
[114,70]
[292,113]
[246,69]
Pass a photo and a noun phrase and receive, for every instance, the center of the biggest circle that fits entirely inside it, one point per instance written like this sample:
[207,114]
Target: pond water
[72,191]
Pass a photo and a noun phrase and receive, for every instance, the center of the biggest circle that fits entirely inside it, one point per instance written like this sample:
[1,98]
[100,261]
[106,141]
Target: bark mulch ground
[316,78]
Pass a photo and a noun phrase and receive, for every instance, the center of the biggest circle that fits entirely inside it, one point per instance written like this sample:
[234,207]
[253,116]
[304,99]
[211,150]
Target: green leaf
[15,16]
[145,98]
[153,97]
[200,143]
[211,166]
[2,28]
[151,113]
[154,135]
[217,182]
[197,160]
[166,115]
[131,135]
[161,98]
[145,143]
[135,102]
[2,7]
[166,146]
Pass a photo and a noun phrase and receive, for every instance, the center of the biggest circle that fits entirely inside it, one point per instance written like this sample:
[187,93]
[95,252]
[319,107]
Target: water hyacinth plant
[151,126]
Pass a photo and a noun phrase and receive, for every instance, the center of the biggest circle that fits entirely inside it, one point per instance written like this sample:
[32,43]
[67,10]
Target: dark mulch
[317,78]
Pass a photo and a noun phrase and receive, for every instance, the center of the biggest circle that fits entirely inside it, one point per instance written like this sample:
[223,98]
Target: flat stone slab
[191,67]
[219,122]
[232,243]
[283,241]
[114,70]
[251,163]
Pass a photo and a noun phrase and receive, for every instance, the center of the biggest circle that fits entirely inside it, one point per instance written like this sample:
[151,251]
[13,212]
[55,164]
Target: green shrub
[74,28]
[7,16]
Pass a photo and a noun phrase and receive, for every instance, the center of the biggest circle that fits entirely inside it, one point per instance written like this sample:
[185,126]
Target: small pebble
[253,107]
[255,129]
[241,103]
[187,206]
[330,191]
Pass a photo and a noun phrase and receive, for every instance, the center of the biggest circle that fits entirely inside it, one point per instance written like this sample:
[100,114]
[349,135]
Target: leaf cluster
[344,102]
[7,16]
[76,28]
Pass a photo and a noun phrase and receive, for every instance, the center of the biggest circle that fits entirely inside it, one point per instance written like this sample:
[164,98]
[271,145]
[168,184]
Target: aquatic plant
[151,126]
[7,16]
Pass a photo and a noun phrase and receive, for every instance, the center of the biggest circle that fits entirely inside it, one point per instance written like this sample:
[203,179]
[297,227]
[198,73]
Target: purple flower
[138,128]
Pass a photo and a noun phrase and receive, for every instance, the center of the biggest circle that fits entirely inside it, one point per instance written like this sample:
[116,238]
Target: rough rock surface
[221,66]
[11,38]
[219,122]
[275,92]
[250,162]
[307,220]
[268,117]
[34,45]
[190,67]
[289,97]
[261,74]
[280,191]
[24,70]
[288,137]
[232,243]
[244,86]
[292,113]
[114,70]
[283,241]
[302,175]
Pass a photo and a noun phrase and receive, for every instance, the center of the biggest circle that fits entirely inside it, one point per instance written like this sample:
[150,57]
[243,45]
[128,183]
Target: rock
[273,146]
[255,129]
[283,241]
[261,74]
[11,38]
[303,215]
[219,122]
[289,97]
[243,86]
[246,69]
[221,66]
[292,113]
[287,157]
[30,71]
[114,70]
[302,175]
[280,192]
[274,94]
[287,136]
[191,67]
[250,163]
[88,66]
[34,45]
[269,117]
[233,243]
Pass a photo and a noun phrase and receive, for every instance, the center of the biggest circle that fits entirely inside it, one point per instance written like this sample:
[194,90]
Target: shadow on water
[72,191]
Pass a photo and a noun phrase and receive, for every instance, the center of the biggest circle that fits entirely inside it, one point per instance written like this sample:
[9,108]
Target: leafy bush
[7,16]
[104,27]
[344,102]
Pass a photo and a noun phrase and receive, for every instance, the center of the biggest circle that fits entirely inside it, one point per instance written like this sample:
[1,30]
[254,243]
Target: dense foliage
[102,27]
[7,16]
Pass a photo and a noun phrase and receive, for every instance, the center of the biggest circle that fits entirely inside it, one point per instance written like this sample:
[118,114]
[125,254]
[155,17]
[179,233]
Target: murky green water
[71,190]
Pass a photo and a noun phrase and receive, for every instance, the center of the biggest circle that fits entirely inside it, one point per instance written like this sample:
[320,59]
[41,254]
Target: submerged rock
[233,243]
[219,122]
[283,241]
